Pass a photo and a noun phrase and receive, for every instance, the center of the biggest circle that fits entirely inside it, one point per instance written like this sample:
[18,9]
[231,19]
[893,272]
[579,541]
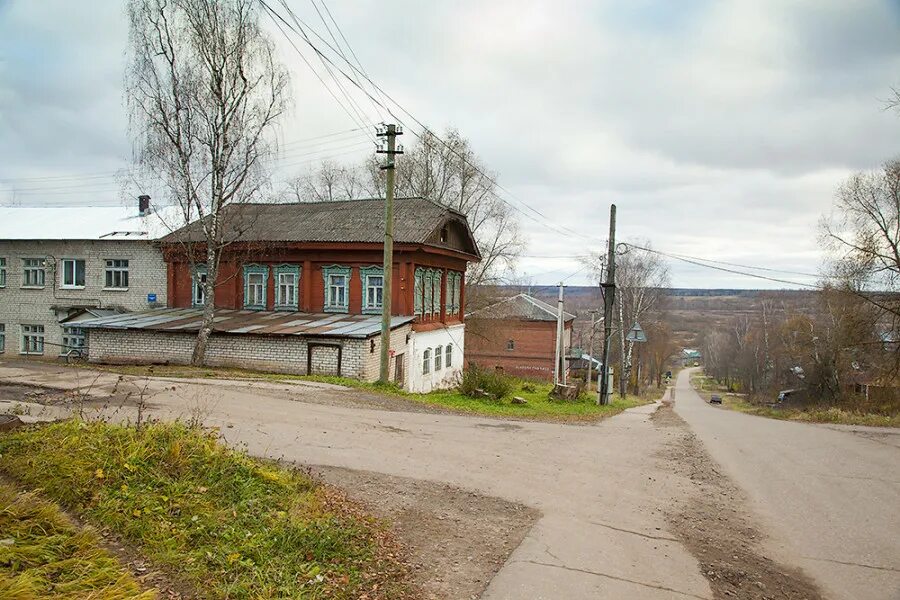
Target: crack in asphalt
[614,577]
[638,533]
[852,564]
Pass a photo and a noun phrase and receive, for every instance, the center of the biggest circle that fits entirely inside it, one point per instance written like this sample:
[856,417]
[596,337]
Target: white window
[426,361]
[337,281]
[255,278]
[373,288]
[2,272]
[199,285]
[438,355]
[448,356]
[73,339]
[72,273]
[32,339]
[116,274]
[286,292]
[33,272]
[2,337]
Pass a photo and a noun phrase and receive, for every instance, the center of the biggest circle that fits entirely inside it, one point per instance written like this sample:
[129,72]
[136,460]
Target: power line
[724,269]
[546,221]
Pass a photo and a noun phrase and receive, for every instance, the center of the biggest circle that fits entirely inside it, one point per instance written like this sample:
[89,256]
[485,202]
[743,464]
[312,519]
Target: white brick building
[62,265]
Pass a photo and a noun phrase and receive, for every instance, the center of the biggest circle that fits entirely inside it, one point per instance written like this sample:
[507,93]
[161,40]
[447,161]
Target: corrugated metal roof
[249,321]
[520,306]
[415,219]
[84,223]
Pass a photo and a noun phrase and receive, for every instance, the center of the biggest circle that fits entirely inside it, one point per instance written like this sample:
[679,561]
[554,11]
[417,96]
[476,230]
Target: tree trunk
[209,311]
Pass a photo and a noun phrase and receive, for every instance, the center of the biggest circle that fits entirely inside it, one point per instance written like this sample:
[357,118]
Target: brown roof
[522,307]
[257,322]
[416,220]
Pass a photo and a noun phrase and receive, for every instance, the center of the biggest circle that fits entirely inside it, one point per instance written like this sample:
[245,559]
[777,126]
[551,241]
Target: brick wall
[534,346]
[280,354]
[47,305]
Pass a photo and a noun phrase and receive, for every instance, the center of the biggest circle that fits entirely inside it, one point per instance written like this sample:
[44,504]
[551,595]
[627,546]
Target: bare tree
[446,171]
[204,91]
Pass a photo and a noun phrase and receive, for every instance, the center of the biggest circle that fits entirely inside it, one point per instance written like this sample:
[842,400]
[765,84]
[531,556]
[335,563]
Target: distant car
[715,399]
[696,364]
[791,395]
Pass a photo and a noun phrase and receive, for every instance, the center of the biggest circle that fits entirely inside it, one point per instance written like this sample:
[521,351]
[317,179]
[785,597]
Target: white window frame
[373,305]
[74,285]
[72,339]
[2,338]
[448,356]
[2,272]
[32,339]
[287,296]
[116,268]
[438,358]
[426,361]
[198,294]
[255,290]
[38,270]
[339,301]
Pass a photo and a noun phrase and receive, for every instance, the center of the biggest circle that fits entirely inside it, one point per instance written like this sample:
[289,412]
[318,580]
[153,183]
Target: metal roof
[415,222]
[520,306]
[249,321]
[83,223]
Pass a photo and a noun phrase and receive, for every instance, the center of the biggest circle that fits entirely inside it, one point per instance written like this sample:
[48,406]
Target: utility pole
[559,373]
[609,298]
[390,132]
[591,347]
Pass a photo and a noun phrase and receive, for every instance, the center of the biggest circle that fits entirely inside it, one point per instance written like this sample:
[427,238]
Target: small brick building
[300,289]
[517,335]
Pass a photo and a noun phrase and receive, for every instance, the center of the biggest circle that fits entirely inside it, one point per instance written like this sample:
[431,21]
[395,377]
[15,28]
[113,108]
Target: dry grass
[229,525]
[44,555]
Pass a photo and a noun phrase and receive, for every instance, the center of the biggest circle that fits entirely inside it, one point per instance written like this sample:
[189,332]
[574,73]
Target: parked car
[715,399]
[793,395]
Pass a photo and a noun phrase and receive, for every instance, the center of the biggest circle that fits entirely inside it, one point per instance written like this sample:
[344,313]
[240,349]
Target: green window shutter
[256,283]
[418,290]
[337,288]
[372,288]
[438,281]
[287,287]
[429,292]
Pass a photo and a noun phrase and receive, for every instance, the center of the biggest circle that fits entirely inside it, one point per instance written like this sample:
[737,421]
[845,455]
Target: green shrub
[493,383]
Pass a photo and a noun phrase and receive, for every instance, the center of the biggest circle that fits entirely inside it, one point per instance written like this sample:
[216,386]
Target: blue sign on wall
[151,297]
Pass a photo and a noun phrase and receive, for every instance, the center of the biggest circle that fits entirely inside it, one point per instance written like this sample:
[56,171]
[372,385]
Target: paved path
[829,496]
[600,488]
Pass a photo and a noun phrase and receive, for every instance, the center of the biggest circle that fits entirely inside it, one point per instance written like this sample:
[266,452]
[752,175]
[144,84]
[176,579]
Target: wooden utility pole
[591,347]
[609,298]
[390,132]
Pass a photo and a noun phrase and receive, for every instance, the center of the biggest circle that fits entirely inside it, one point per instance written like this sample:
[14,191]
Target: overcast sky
[720,129]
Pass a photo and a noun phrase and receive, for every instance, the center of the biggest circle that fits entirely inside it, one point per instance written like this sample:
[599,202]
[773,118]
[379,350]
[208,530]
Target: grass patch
[44,555]
[706,386]
[232,526]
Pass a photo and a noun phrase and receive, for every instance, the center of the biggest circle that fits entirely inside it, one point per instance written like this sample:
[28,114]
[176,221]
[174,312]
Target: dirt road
[828,495]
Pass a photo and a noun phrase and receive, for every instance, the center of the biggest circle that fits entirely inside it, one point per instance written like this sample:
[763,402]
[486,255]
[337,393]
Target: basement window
[438,356]
[448,356]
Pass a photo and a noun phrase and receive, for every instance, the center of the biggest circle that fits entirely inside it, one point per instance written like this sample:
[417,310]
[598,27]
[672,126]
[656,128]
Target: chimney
[144,205]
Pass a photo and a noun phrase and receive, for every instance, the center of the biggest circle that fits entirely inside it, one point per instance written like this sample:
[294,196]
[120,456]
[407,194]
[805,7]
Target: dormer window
[444,234]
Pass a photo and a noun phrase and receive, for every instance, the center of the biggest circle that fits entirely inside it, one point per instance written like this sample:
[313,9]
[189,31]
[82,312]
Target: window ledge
[32,287]
[31,353]
[336,309]
[372,311]
[71,287]
[254,307]
[287,307]
[115,289]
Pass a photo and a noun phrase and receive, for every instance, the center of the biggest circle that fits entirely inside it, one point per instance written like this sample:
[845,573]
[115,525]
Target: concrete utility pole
[390,132]
[609,298]
[559,372]
[591,347]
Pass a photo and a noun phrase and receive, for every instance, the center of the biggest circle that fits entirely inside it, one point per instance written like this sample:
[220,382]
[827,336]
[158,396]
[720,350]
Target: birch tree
[204,92]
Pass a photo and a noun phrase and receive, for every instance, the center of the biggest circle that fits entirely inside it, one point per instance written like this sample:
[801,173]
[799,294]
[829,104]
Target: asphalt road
[827,496]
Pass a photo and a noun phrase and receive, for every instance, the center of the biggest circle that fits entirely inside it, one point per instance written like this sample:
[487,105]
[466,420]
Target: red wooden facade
[312,258]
